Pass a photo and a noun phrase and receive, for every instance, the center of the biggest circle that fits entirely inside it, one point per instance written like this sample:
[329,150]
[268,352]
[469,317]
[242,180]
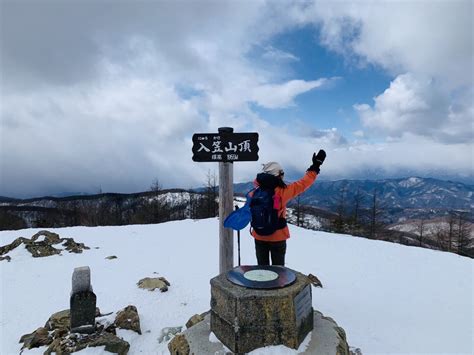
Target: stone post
[82,302]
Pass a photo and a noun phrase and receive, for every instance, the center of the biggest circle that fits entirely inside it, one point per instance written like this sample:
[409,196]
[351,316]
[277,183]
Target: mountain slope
[400,198]
[389,298]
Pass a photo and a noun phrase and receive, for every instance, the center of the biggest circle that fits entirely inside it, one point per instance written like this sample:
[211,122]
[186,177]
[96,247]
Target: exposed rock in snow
[41,245]
[128,319]
[56,334]
[151,284]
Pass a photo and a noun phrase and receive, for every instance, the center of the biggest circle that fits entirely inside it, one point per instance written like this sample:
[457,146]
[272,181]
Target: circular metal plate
[261,277]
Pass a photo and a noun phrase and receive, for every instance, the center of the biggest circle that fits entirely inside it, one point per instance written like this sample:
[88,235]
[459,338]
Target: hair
[281,183]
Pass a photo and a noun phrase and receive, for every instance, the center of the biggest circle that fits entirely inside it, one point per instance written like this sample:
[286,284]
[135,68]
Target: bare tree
[211,193]
[358,200]
[451,228]
[376,212]
[298,211]
[463,231]
[421,229]
[156,185]
[341,207]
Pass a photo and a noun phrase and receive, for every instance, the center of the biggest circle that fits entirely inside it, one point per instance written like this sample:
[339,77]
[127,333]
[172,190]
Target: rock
[49,237]
[355,351]
[73,343]
[72,246]
[168,332]
[111,257]
[40,337]
[113,344]
[128,319]
[315,281]
[194,320]
[59,320]
[7,258]
[41,249]
[9,247]
[151,284]
[179,345]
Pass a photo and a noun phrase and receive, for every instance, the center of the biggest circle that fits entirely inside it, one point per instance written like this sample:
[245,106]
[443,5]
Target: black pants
[276,249]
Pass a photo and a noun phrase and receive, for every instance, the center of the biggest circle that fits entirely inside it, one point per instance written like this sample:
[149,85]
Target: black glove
[318,160]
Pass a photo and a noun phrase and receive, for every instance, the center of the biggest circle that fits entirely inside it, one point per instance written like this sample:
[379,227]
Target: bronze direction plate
[261,277]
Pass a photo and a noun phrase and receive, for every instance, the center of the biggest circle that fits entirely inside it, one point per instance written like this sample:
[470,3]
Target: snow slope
[389,298]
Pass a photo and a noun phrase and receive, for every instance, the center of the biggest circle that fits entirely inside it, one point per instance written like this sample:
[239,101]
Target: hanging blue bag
[240,218]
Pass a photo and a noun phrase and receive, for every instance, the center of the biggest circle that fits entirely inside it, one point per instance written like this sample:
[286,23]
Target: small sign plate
[225,147]
[303,304]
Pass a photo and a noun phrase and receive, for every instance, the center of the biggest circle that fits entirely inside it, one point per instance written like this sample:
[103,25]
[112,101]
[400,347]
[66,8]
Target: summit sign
[225,147]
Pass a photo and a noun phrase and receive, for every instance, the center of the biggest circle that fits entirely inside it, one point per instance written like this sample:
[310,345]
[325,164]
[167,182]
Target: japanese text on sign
[229,147]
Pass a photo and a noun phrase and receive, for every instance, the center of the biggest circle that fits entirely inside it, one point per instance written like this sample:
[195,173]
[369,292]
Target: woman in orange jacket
[271,178]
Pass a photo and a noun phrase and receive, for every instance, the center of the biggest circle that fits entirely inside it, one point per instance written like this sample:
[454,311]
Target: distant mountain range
[401,198]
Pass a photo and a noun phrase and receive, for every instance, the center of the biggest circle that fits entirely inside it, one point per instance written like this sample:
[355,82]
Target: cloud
[427,46]
[100,95]
[282,95]
[433,39]
[420,107]
[274,54]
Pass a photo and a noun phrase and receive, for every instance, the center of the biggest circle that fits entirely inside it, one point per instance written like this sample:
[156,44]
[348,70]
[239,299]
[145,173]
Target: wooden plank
[226,196]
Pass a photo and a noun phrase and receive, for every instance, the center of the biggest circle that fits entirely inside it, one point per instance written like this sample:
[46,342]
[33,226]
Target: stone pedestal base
[326,338]
[245,319]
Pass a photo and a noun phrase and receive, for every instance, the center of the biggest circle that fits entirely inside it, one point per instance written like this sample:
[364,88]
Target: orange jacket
[286,194]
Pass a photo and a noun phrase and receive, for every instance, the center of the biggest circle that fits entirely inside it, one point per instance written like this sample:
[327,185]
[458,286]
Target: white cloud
[90,99]
[431,38]
[419,106]
[282,95]
[427,46]
[274,54]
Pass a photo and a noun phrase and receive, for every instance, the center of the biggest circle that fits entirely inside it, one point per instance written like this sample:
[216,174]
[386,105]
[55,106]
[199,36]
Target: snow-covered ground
[388,297]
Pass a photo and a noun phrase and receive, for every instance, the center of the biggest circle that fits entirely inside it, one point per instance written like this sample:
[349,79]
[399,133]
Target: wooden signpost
[225,147]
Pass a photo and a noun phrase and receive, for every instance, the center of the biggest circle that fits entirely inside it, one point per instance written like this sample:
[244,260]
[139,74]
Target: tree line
[110,209]
[364,216]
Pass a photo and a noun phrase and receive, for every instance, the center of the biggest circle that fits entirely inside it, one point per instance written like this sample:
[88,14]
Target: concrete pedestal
[326,338]
[245,319]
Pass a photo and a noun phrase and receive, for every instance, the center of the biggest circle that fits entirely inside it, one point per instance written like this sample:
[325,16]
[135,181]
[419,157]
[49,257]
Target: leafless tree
[211,193]
[451,229]
[339,222]
[156,185]
[299,212]
[463,231]
[421,229]
[376,211]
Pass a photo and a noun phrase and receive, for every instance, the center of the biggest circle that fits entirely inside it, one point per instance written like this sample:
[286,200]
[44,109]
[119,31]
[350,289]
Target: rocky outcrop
[57,336]
[152,284]
[41,247]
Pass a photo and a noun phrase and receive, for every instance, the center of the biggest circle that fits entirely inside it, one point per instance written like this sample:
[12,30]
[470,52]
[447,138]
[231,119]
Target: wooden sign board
[225,147]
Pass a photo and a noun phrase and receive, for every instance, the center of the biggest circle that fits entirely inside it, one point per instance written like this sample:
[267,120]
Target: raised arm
[298,187]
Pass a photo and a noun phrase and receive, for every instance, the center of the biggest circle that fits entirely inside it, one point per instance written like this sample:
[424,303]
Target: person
[271,178]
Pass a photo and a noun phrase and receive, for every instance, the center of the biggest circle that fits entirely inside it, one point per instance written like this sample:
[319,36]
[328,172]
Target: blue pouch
[240,218]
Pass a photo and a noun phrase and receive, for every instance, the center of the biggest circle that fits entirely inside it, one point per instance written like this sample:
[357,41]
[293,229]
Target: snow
[410,182]
[389,298]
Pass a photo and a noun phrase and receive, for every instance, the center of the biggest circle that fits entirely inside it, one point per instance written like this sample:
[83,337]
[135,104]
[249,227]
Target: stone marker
[245,319]
[82,302]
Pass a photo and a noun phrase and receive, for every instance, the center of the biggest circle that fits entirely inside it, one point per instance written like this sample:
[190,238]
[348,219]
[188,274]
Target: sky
[106,95]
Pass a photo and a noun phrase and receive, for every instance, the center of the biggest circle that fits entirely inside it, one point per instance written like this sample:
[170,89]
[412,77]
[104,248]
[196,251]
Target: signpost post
[225,147]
